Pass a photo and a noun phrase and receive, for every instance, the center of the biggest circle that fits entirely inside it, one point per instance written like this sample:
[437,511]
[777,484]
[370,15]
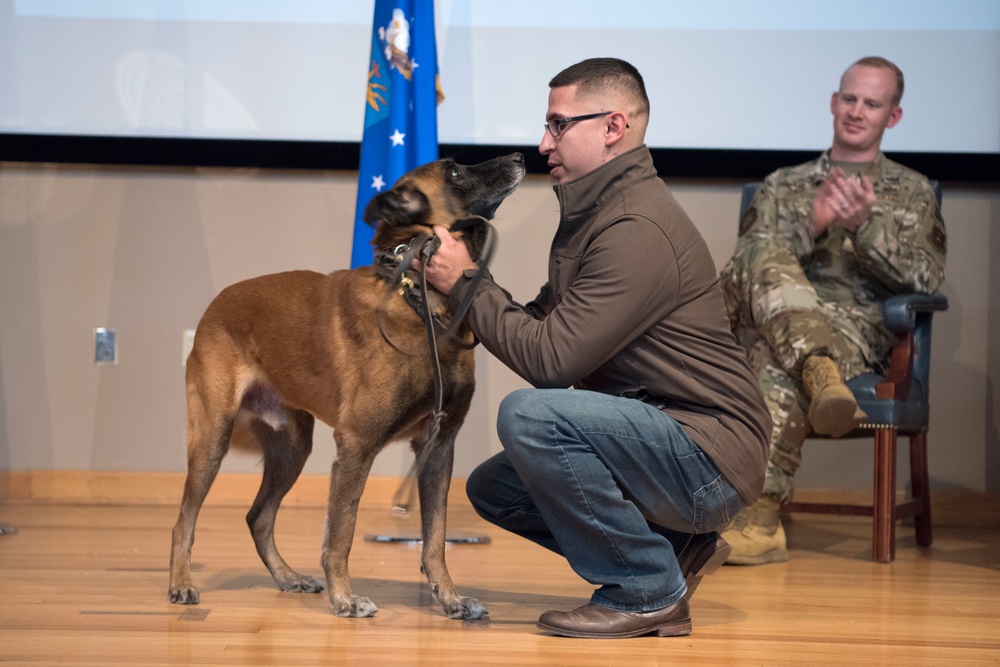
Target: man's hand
[446,265]
[842,201]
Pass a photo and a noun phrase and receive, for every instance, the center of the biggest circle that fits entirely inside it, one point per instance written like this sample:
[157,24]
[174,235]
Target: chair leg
[884,510]
[921,488]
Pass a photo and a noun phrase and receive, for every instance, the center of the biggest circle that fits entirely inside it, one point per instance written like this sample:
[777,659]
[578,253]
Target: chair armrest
[900,311]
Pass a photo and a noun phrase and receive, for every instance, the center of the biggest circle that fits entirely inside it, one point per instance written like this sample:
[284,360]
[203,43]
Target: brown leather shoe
[592,621]
[704,554]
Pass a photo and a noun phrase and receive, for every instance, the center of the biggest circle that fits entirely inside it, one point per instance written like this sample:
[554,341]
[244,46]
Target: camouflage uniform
[789,296]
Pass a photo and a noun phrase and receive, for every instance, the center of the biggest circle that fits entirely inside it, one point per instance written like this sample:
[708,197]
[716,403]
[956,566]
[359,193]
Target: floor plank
[86,584]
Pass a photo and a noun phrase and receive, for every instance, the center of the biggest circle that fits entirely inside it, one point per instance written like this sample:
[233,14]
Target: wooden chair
[896,403]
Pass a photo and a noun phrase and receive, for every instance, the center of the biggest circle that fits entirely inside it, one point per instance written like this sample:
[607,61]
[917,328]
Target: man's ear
[402,205]
[895,116]
[615,127]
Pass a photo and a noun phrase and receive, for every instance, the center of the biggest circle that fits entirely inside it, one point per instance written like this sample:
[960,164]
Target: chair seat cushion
[909,415]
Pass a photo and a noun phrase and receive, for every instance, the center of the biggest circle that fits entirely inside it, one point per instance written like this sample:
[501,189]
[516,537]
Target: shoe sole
[673,629]
[705,562]
[835,415]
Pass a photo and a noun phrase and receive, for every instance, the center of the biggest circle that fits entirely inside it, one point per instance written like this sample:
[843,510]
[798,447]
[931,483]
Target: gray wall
[144,250]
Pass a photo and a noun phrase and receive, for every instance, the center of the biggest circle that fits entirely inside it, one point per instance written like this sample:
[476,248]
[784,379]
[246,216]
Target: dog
[272,354]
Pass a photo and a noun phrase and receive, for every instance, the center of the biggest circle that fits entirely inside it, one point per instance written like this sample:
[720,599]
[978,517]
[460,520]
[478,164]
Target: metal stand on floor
[402,501]
[7,529]
[415,536]
[417,539]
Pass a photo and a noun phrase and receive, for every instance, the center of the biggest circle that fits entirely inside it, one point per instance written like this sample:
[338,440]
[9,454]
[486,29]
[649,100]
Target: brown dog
[274,353]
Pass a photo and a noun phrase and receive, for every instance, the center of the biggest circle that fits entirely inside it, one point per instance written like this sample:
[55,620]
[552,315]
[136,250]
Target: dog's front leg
[347,482]
[434,480]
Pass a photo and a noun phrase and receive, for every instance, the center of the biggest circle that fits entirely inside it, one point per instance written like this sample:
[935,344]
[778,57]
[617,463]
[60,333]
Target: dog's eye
[454,173]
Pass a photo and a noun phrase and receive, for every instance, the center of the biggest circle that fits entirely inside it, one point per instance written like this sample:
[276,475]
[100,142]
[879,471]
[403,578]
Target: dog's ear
[402,205]
[474,233]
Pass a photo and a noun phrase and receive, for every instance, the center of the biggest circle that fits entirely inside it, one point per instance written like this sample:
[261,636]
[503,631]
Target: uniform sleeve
[626,281]
[774,237]
[904,244]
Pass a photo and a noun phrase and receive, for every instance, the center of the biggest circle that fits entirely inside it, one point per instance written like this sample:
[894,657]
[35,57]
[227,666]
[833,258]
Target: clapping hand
[841,200]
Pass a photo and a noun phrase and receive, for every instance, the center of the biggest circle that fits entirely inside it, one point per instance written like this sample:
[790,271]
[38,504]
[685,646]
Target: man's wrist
[461,284]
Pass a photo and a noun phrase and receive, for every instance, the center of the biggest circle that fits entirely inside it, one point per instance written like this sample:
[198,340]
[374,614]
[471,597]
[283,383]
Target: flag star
[397,138]
[378,183]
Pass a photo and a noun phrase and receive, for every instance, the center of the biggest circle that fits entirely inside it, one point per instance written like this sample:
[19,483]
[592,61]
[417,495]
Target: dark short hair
[879,61]
[596,75]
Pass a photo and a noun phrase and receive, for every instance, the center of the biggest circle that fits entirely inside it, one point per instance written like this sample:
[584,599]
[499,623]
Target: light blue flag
[401,111]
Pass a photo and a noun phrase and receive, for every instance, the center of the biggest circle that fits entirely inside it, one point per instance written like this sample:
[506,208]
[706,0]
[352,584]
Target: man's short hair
[598,75]
[879,61]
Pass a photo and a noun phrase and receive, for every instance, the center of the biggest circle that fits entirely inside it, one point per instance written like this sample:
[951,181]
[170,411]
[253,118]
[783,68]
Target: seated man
[820,249]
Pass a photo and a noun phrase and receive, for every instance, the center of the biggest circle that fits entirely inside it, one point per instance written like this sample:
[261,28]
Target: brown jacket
[633,308]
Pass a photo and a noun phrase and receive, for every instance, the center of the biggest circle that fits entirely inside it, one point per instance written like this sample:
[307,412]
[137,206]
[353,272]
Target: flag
[401,106]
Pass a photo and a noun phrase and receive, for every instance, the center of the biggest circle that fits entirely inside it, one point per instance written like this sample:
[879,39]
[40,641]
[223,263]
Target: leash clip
[405,285]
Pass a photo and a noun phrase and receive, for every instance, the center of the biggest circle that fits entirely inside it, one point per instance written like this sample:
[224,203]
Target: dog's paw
[466,609]
[184,595]
[355,606]
[301,583]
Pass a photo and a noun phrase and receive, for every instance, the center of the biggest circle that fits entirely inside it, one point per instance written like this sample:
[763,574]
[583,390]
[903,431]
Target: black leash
[424,246]
[403,497]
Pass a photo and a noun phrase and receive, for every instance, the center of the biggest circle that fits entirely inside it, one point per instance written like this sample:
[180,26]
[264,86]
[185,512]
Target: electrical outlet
[187,342]
[105,347]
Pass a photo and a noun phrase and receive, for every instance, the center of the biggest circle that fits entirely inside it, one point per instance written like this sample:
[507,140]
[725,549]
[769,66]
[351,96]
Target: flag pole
[400,134]
[400,130]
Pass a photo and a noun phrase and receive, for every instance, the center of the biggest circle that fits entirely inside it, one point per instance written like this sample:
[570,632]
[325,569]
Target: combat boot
[756,535]
[833,410]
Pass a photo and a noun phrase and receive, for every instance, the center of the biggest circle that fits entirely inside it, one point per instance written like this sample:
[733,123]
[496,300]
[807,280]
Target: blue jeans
[613,484]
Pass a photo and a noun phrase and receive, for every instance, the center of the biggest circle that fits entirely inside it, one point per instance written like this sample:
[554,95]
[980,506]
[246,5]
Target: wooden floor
[86,584]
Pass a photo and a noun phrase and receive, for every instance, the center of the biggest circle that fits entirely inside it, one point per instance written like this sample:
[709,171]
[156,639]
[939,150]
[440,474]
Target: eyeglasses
[555,126]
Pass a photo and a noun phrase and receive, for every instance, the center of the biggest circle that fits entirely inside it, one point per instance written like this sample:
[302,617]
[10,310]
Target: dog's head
[443,193]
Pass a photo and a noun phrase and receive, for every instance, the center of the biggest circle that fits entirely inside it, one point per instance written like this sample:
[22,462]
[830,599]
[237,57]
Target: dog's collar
[385,263]
[395,268]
